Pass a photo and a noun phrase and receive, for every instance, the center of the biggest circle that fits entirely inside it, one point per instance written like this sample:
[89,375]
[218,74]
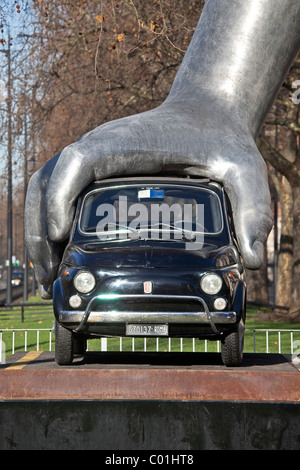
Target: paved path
[152,360]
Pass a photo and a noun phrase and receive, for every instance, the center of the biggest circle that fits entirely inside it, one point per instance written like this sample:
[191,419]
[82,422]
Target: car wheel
[232,347]
[64,345]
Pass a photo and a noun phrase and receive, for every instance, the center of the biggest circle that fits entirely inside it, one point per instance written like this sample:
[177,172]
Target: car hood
[93,255]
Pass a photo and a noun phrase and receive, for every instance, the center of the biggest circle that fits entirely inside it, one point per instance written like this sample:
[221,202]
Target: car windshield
[17,274]
[165,211]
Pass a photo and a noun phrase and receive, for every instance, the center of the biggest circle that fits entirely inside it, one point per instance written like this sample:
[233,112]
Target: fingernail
[254,257]
[52,230]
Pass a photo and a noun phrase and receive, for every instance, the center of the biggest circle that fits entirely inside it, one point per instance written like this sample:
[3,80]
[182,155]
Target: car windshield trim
[128,229]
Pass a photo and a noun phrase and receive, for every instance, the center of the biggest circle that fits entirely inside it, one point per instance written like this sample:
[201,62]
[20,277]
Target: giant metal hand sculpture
[236,62]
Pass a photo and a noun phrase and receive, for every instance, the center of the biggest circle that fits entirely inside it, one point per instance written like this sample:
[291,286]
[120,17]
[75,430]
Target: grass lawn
[42,317]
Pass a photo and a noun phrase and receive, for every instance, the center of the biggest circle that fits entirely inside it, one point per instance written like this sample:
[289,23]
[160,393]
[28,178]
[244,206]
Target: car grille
[148,305]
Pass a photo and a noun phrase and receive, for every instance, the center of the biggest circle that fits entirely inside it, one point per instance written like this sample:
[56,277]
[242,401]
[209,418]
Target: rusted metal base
[149,382]
[131,384]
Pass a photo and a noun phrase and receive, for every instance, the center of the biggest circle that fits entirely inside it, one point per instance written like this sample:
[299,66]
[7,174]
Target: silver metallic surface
[76,316]
[235,64]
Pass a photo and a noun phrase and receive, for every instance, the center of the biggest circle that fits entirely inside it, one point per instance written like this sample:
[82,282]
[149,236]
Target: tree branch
[281,164]
[293,126]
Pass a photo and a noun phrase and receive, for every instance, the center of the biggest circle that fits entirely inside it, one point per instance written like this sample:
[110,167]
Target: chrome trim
[82,317]
[67,316]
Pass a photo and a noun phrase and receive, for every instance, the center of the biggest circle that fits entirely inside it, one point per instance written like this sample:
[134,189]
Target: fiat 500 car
[147,257]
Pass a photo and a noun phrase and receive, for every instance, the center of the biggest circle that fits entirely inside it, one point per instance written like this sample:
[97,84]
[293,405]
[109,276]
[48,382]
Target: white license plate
[136,329]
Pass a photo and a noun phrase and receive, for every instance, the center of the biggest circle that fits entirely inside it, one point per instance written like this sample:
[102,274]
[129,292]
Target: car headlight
[211,284]
[220,303]
[75,301]
[84,282]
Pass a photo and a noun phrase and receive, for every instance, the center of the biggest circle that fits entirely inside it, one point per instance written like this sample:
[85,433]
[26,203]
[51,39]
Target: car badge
[147,287]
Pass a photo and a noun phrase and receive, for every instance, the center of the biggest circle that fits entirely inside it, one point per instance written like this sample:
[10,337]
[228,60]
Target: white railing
[281,341]
[294,339]
[9,338]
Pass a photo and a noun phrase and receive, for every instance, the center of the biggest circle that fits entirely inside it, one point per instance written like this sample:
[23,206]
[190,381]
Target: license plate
[136,329]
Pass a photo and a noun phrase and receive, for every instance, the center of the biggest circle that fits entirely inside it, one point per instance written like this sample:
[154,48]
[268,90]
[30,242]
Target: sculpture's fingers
[251,210]
[253,227]
[72,173]
[44,254]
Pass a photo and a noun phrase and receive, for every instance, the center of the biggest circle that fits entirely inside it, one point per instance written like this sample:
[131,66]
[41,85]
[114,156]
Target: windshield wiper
[173,228]
[112,234]
[143,232]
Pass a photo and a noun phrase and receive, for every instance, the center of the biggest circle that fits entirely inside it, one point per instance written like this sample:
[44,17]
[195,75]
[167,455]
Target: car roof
[149,179]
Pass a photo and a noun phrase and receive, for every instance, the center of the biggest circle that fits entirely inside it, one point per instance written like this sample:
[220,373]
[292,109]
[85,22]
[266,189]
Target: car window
[164,211]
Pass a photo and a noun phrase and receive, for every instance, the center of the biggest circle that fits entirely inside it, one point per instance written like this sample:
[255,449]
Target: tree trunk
[285,254]
[295,299]
[257,284]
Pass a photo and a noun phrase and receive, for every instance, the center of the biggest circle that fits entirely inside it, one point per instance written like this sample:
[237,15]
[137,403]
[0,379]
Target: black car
[151,256]
[17,278]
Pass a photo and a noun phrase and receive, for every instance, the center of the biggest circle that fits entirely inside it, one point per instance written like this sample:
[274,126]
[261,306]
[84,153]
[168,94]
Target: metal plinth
[139,384]
[165,402]
[150,376]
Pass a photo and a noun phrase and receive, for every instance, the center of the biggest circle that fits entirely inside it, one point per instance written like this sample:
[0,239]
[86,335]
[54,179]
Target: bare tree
[282,151]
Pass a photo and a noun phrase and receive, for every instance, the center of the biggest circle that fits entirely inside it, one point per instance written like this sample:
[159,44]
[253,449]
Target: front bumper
[91,315]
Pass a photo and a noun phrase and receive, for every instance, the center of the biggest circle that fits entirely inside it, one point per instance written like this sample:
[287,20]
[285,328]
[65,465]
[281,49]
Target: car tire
[232,347]
[80,344]
[64,345]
